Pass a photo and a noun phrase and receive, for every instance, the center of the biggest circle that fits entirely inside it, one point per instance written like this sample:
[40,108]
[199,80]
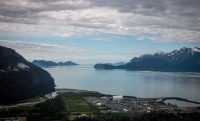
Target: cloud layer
[44,51]
[158,20]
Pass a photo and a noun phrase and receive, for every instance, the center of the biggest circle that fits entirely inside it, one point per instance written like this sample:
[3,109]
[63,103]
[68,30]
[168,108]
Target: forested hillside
[20,79]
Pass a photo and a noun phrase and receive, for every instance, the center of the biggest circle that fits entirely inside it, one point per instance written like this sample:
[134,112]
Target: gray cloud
[163,20]
[187,10]
[28,46]
[154,7]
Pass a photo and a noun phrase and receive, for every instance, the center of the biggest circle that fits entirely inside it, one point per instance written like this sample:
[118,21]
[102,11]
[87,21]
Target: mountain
[185,59]
[43,63]
[20,79]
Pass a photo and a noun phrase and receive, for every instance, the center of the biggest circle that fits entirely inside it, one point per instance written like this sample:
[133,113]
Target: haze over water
[124,82]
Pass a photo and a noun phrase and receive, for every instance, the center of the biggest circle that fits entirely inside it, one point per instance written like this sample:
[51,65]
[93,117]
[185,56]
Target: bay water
[126,82]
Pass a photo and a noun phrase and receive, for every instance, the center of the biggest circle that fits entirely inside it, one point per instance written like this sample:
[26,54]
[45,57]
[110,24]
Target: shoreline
[162,99]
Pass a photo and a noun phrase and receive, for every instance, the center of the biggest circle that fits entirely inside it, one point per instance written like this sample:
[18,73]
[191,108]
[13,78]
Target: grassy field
[77,104]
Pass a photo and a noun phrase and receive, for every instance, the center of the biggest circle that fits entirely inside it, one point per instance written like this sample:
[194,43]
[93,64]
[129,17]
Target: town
[120,104]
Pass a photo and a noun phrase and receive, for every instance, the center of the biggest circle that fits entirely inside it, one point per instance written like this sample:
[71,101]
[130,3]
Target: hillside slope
[20,79]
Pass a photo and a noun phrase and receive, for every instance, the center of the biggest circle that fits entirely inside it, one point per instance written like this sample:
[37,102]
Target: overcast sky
[91,31]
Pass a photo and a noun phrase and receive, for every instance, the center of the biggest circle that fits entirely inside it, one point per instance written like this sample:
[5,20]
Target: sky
[98,31]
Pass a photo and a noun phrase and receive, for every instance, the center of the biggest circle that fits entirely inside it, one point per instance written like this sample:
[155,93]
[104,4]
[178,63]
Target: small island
[43,63]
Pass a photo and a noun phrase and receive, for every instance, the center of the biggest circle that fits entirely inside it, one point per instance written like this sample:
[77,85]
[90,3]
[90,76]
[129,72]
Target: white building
[117,98]
[98,104]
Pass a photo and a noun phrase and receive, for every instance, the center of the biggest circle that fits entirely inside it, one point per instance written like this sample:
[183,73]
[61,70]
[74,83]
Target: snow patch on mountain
[196,49]
[175,56]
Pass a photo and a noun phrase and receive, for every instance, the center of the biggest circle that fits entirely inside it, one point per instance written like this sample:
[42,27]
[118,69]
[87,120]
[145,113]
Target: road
[51,95]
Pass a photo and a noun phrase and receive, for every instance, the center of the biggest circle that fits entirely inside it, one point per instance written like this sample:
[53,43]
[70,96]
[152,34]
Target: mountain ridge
[185,59]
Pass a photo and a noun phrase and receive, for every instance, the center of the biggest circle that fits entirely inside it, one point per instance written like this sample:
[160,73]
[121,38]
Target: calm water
[124,82]
[182,103]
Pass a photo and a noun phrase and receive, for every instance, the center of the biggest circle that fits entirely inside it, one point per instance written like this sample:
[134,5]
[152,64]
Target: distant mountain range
[43,63]
[20,79]
[185,59]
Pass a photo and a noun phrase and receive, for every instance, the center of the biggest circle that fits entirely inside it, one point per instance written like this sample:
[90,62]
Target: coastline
[69,90]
